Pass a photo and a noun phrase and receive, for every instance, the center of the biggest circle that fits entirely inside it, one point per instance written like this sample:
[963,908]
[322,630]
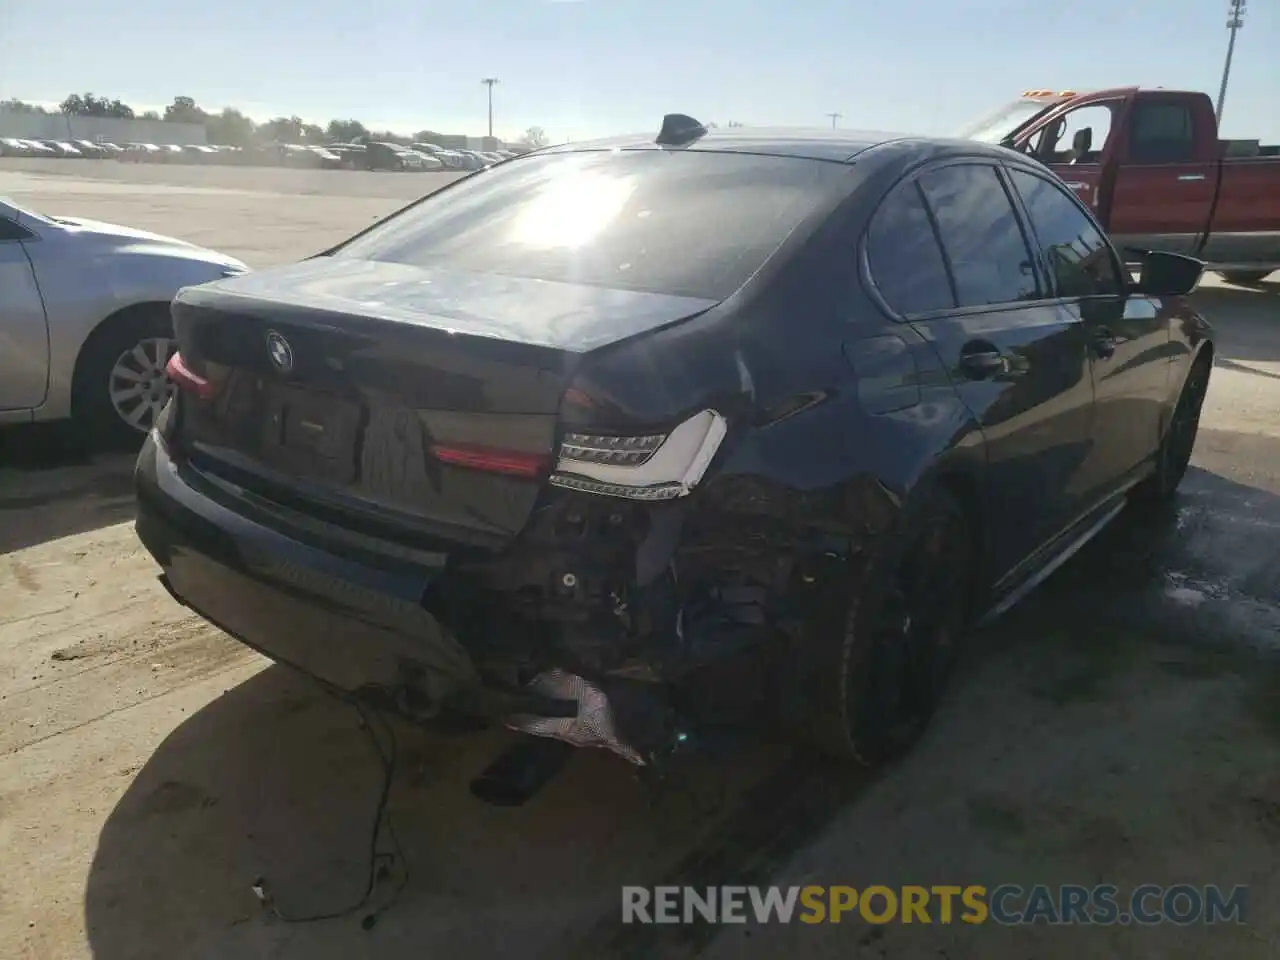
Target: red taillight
[511,462]
[184,379]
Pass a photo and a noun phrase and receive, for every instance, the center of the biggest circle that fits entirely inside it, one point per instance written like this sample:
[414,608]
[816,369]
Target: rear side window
[690,223]
[1072,247]
[904,257]
[1162,133]
[988,255]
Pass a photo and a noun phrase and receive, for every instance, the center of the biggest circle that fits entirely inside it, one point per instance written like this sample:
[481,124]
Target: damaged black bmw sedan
[620,442]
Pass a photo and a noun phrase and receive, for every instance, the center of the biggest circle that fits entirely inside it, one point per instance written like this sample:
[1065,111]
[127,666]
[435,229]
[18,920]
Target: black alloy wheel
[1174,455]
[882,679]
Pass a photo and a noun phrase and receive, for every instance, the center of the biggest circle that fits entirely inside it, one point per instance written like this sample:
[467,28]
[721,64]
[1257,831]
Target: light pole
[1235,20]
[489,82]
[834,117]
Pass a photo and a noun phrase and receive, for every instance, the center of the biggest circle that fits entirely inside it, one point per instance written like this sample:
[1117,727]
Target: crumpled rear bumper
[355,623]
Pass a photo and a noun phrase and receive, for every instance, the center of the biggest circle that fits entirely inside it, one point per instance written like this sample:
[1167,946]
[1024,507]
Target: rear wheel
[1174,455]
[1245,277]
[120,383]
[877,675]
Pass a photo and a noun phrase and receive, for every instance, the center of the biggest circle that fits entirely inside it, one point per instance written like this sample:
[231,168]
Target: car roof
[816,143]
[841,146]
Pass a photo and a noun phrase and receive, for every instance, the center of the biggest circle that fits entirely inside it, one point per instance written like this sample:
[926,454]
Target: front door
[1076,146]
[1128,341]
[24,337]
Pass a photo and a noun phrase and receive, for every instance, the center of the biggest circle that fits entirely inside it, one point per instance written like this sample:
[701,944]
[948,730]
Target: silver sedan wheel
[138,385]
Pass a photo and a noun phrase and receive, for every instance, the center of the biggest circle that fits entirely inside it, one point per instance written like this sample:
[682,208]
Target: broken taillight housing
[605,448]
[649,466]
[184,378]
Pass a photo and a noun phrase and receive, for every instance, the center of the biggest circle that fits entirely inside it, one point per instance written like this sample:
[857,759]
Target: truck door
[24,337]
[1078,146]
[1163,193]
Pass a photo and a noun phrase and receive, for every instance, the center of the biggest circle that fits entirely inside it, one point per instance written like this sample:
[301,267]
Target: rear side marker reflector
[184,379]
[510,462]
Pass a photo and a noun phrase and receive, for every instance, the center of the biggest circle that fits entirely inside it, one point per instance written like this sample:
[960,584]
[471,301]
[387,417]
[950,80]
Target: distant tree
[184,110]
[427,136]
[89,105]
[386,136]
[20,106]
[150,115]
[229,127]
[535,137]
[281,130]
[345,131]
[312,133]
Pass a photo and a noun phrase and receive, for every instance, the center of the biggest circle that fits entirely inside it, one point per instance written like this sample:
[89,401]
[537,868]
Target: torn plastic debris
[594,726]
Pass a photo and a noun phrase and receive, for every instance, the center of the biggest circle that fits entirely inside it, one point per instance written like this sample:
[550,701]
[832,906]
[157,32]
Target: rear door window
[904,257]
[690,223]
[1162,133]
[981,236]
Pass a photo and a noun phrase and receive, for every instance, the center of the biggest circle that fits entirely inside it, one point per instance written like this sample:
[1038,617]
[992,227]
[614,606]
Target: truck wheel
[875,669]
[1174,455]
[1244,278]
[120,385]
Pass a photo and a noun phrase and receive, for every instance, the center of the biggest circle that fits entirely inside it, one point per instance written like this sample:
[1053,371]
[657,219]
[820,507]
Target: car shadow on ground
[277,780]
[274,779]
[51,486]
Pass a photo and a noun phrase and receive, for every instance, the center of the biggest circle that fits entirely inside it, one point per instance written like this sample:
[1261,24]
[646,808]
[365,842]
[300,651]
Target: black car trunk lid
[382,393]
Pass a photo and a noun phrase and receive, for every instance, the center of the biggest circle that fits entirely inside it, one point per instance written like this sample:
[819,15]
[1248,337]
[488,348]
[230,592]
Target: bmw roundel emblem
[280,352]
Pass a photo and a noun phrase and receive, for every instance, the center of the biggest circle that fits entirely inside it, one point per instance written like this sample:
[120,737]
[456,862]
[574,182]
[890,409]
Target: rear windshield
[695,224]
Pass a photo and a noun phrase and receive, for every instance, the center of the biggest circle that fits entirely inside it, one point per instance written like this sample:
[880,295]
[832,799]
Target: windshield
[997,126]
[695,224]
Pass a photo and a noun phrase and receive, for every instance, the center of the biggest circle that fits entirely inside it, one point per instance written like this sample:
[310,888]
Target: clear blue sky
[582,68]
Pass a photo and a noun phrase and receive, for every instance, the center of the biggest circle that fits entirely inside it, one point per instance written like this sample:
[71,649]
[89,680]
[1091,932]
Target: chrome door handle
[1189,177]
[980,364]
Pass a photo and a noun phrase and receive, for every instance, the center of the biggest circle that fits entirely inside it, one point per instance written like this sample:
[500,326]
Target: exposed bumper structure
[356,621]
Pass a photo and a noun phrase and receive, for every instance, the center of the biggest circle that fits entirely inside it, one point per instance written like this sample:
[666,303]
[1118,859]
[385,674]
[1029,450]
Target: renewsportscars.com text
[1008,904]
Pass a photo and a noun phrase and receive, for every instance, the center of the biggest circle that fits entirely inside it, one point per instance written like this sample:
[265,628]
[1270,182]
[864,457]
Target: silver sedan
[84,319]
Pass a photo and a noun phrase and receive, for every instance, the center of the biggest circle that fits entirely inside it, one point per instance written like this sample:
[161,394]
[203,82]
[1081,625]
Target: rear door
[1127,337]
[1163,193]
[24,336]
[949,253]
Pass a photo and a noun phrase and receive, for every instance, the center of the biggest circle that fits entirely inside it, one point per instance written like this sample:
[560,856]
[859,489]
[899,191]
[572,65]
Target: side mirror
[1167,274]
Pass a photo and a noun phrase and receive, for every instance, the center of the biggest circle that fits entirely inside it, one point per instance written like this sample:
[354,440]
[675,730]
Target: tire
[1174,454]
[1245,277]
[119,386]
[876,665]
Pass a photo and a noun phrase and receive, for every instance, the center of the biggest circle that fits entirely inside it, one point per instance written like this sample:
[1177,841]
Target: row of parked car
[375,155]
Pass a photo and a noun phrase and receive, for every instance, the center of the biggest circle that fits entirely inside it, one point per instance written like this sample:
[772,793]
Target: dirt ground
[1122,726]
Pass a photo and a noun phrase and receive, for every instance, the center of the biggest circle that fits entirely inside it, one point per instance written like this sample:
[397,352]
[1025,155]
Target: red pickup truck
[1151,165]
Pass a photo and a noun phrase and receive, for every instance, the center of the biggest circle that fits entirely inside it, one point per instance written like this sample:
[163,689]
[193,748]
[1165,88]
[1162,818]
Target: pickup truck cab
[1150,164]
